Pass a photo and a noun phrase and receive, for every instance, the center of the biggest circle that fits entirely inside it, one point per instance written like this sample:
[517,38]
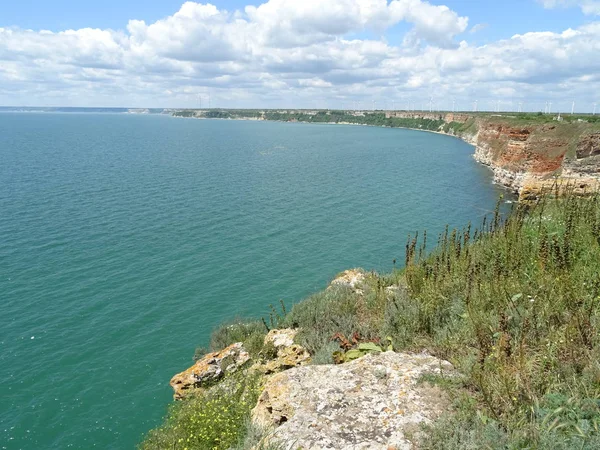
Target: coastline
[294,356]
[471,140]
[527,154]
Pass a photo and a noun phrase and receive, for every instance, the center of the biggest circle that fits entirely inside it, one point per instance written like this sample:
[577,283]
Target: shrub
[251,333]
[515,306]
[335,310]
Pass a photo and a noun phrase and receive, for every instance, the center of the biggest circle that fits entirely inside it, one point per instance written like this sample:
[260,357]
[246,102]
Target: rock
[352,278]
[287,358]
[281,338]
[581,186]
[526,159]
[288,354]
[209,369]
[588,145]
[371,403]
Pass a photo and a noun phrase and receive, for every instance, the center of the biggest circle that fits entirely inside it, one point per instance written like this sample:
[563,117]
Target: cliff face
[526,153]
[446,117]
[523,155]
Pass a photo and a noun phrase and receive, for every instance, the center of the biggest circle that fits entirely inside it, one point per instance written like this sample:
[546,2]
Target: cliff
[535,156]
[527,154]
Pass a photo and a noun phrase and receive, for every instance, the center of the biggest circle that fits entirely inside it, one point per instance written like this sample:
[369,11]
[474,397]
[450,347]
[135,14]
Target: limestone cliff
[527,155]
[522,155]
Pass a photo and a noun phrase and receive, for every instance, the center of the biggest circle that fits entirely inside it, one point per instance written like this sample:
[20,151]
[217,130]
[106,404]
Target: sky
[532,54]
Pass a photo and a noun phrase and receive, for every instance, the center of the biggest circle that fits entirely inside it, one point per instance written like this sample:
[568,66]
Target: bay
[125,239]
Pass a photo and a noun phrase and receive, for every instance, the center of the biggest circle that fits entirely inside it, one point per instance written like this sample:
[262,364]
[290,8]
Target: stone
[374,402]
[581,186]
[288,354]
[352,278]
[209,369]
[281,338]
[287,358]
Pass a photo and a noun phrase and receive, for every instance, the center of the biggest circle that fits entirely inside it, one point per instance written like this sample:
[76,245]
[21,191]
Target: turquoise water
[126,238]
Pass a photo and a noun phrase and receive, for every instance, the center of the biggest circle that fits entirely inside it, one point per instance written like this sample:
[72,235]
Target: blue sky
[428,49]
[505,18]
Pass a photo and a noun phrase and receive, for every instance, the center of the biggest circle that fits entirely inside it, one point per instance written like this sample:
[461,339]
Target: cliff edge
[530,157]
[527,153]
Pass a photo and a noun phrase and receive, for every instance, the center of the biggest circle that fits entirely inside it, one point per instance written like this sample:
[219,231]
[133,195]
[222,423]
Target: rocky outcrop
[424,115]
[375,402]
[281,338]
[524,153]
[352,278]
[213,367]
[287,358]
[588,146]
[288,354]
[210,369]
[587,160]
[534,189]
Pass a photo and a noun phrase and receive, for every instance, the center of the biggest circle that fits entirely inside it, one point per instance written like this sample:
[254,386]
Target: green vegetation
[251,333]
[216,418]
[549,118]
[514,304]
[376,118]
[516,307]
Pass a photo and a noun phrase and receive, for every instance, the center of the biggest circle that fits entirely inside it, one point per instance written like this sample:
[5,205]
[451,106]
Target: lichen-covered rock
[287,358]
[352,278]
[373,402]
[281,338]
[209,369]
[287,354]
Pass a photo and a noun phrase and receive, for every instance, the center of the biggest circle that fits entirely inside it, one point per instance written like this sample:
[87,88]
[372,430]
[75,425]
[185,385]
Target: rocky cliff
[529,155]
[375,399]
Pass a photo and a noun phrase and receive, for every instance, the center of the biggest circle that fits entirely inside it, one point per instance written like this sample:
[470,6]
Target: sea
[125,239]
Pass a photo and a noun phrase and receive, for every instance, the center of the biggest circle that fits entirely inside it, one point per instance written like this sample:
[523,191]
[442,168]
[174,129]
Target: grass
[514,304]
[516,307]
[251,333]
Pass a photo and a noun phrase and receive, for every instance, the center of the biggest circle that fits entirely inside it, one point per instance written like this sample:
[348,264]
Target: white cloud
[590,7]
[286,52]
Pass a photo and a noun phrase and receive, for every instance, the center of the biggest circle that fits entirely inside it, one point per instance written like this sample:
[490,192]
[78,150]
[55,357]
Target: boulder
[374,402]
[209,369]
[287,354]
